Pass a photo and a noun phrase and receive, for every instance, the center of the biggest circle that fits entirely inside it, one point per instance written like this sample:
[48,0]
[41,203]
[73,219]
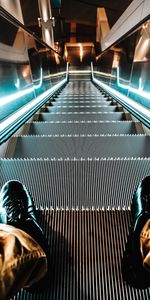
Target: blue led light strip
[139,111]
[15,96]
[138,91]
[127,87]
[12,123]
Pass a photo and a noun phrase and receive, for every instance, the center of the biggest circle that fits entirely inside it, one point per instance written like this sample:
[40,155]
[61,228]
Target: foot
[17,209]
[132,263]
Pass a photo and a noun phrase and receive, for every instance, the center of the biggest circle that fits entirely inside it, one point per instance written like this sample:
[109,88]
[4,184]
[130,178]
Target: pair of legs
[24,249]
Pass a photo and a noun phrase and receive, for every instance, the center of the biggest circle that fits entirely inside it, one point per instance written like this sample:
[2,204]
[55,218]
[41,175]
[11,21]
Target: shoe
[132,263]
[17,209]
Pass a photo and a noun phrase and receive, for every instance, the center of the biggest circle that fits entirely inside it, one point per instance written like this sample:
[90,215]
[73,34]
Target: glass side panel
[16,88]
[104,66]
[46,66]
[122,64]
[128,68]
[140,79]
[27,68]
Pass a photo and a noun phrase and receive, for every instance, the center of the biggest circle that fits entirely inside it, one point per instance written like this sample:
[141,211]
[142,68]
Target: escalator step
[80,102]
[81,97]
[88,183]
[118,116]
[39,128]
[85,249]
[82,146]
[78,109]
[86,90]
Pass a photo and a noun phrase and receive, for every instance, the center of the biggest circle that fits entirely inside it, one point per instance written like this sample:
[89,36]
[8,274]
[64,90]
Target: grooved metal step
[39,128]
[76,93]
[78,102]
[81,146]
[85,250]
[79,109]
[88,183]
[81,97]
[117,116]
[87,90]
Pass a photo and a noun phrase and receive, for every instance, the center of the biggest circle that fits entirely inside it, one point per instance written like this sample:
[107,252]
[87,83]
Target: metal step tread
[86,249]
[80,109]
[85,122]
[80,102]
[77,183]
[79,97]
[95,112]
[85,146]
[82,117]
[38,128]
[81,106]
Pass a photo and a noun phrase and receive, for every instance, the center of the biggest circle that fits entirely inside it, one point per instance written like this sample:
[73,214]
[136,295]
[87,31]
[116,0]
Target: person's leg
[23,247]
[145,245]
[133,266]
[22,261]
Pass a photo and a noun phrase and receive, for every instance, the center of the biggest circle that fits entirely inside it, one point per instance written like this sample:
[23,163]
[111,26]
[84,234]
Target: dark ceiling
[83,12]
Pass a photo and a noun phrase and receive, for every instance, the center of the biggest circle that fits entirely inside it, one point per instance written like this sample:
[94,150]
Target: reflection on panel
[140,79]
[27,68]
[104,66]
[126,66]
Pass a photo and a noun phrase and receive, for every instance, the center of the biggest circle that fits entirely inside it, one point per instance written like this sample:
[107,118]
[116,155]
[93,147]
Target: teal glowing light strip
[138,91]
[29,106]
[41,80]
[12,123]
[54,75]
[135,91]
[15,96]
[138,110]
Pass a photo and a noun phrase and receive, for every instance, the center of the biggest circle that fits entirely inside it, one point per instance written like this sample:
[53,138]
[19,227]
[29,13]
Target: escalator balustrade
[81,157]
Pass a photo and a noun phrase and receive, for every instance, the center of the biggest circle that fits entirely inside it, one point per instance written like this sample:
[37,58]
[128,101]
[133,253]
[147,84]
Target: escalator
[81,157]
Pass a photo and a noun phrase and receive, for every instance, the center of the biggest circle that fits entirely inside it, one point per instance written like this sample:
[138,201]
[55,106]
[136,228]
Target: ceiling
[82,12]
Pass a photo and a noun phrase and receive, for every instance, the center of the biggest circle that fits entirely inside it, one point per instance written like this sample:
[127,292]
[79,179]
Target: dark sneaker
[17,209]
[132,263]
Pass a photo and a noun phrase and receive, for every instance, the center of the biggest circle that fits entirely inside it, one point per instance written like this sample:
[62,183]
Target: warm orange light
[116,60]
[57,58]
[81,52]
[66,53]
[26,72]
[141,50]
